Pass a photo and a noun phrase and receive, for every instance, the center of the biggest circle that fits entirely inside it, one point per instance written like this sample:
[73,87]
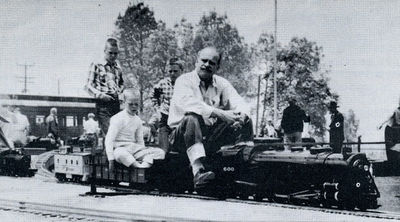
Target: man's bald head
[53,111]
[208,61]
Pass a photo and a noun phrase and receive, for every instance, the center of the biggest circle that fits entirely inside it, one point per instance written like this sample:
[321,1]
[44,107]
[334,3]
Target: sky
[60,38]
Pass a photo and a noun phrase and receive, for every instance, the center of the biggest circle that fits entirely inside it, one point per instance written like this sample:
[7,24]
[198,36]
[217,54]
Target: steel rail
[132,191]
[80,213]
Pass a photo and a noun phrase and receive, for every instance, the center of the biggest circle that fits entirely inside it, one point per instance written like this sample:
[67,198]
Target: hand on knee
[137,164]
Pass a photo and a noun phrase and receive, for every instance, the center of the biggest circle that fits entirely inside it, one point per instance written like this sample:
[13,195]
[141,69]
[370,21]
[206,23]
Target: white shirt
[191,96]
[22,122]
[124,129]
[91,126]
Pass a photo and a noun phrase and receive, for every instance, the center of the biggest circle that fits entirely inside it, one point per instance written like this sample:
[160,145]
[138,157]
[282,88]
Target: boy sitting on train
[124,140]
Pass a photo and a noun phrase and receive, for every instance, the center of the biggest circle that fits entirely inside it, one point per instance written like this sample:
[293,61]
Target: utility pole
[258,102]
[26,77]
[58,86]
[275,66]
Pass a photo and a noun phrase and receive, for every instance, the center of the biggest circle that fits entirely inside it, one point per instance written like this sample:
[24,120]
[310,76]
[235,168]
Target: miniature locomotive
[314,176]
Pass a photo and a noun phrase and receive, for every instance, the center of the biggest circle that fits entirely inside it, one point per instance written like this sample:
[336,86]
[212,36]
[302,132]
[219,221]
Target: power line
[26,77]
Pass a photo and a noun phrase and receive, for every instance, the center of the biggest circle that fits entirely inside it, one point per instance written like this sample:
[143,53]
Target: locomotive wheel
[349,206]
[243,196]
[362,206]
[60,177]
[258,197]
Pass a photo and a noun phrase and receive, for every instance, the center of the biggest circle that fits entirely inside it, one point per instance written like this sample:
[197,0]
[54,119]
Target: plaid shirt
[104,78]
[162,95]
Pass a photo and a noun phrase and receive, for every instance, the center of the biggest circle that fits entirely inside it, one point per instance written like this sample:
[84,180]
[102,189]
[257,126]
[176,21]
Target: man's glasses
[113,53]
[173,71]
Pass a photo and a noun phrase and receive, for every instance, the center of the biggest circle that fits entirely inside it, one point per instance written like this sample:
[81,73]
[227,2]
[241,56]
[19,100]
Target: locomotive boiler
[314,176]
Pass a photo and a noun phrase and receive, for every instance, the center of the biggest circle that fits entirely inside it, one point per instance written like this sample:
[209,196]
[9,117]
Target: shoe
[202,178]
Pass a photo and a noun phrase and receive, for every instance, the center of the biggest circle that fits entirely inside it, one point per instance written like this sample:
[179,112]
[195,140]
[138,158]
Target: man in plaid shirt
[105,83]
[162,95]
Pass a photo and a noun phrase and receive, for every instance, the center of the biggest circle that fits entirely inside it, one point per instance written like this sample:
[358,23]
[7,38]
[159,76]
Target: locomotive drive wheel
[258,197]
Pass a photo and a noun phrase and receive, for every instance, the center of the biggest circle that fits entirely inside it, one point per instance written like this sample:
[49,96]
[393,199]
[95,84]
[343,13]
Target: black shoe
[202,178]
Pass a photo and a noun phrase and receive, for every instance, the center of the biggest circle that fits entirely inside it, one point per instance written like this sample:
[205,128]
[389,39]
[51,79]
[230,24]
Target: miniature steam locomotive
[314,176]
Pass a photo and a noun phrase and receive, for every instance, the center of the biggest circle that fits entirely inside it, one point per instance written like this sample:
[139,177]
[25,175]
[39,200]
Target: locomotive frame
[312,177]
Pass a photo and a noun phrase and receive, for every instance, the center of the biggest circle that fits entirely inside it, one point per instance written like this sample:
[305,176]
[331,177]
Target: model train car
[314,177]
[13,162]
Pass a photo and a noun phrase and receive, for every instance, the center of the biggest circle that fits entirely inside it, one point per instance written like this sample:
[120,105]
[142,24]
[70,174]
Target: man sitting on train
[206,113]
[124,140]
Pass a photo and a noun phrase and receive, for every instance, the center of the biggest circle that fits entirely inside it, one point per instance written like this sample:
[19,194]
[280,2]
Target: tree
[133,28]
[216,30]
[299,75]
[351,124]
[184,32]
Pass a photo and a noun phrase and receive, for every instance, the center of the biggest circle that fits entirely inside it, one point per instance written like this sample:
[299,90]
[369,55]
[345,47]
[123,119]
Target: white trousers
[128,154]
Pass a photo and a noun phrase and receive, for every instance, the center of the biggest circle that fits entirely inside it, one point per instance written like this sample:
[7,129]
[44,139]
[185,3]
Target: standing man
[393,120]
[21,127]
[269,129]
[162,95]
[52,124]
[105,83]
[292,123]
[91,130]
[4,124]
[206,113]
[336,132]
[91,126]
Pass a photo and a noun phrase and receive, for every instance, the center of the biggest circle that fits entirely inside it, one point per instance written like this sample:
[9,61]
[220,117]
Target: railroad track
[45,173]
[368,214]
[77,214]
[42,164]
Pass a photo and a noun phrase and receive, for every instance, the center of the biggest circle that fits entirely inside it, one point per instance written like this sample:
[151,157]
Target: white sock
[196,166]
[194,153]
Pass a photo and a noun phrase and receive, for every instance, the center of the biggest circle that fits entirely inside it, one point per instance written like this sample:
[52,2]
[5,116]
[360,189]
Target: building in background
[72,112]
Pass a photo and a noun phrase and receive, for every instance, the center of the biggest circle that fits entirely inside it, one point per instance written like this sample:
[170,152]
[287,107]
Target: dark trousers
[104,111]
[336,142]
[192,130]
[163,133]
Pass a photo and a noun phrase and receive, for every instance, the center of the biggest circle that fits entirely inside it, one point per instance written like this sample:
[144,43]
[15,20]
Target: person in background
[91,130]
[162,94]
[393,120]
[270,129]
[52,124]
[105,83]
[336,130]
[21,128]
[124,140]
[91,126]
[292,123]
[207,113]
[5,119]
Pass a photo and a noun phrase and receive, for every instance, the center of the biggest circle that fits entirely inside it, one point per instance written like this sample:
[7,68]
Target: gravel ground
[48,192]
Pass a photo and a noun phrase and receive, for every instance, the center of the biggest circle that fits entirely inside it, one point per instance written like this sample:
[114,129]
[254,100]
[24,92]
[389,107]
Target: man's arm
[234,101]
[184,98]
[90,86]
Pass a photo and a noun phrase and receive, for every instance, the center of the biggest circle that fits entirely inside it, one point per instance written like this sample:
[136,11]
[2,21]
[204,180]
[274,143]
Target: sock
[196,166]
[195,152]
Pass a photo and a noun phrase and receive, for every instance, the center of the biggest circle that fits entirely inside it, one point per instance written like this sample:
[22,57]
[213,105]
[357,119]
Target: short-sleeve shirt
[105,77]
